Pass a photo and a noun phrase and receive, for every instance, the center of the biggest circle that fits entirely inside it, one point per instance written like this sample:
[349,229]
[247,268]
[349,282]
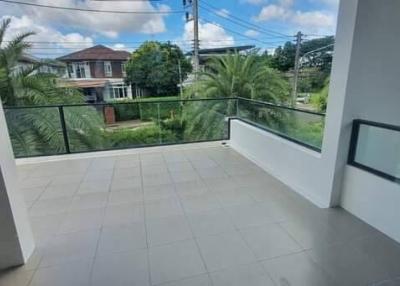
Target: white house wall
[373,93]
[296,166]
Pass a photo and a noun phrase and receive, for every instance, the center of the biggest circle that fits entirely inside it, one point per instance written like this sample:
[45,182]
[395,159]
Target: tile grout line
[145,222]
[191,228]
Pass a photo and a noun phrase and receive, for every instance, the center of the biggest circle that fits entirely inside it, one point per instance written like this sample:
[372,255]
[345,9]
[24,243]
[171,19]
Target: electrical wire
[90,10]
[249,24]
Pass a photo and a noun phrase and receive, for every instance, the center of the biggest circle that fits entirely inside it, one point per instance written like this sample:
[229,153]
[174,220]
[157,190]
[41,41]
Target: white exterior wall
[373,94]
[16,239]
[364,85]
[298,167]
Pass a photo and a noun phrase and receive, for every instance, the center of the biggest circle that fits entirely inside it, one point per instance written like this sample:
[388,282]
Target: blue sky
[264,23]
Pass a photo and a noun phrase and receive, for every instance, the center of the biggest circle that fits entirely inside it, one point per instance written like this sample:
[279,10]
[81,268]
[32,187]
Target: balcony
[187,215]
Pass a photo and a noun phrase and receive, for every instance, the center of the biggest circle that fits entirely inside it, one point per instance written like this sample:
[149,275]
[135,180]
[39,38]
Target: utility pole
[180,78]
[299,37]
[195,6]
[196,41]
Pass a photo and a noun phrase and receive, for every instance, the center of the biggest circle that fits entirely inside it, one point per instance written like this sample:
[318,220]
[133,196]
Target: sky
[263,23]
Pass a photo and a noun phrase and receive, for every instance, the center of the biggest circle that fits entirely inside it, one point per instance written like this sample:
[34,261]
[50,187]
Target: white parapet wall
[373,199]
[300,168]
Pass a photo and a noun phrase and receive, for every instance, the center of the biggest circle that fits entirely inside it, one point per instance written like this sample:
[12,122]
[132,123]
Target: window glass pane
[379,148]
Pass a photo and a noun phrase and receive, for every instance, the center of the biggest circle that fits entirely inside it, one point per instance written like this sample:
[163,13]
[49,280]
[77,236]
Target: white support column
[16,239]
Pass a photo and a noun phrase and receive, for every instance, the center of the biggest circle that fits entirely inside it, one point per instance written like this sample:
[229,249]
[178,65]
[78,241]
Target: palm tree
[37,131]
[233,75]
[247,76]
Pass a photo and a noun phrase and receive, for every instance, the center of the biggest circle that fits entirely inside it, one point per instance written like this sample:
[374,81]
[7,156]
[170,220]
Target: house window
[123,68]
[118,91]
[80,70]
[107,69]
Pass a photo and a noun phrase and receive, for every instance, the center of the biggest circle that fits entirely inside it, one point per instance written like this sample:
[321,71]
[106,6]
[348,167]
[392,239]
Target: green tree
[320,100]
[234,75]
[284,57]
[38,130]
[245,76]
[154,67]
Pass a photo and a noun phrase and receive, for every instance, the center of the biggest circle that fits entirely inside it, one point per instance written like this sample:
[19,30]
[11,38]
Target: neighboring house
[206,54]
[99,71]
[28,61]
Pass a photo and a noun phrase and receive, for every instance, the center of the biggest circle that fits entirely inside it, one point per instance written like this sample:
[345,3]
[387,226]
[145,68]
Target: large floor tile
[156,180]
[298,270]
[163,208]
[49,207]
[88,201]
[95,186]
[175,261]
[121,269]
[125,184]
[249,215]
[161,192]
[82,220]
[77,274]
[211,222]
[338,259]
[15,277]
[201,280]
[59,191]
[225,250]
[69,247]
[167,230]
[123,214]
[200,203]
[249,275]
[125,197]
[122,238]
[310,234]
[269,241]
[32,194]
[231,198]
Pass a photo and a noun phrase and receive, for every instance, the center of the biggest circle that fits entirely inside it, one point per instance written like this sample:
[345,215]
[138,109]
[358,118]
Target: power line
[235,32]
[90,10]
[249,24]
[232,21]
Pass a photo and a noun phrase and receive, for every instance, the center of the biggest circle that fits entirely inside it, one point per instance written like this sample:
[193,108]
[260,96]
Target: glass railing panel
[35,131]
[303,127]
[207,120]
[378,148]
[86,128]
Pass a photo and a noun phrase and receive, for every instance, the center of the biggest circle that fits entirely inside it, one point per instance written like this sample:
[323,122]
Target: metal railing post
[159,122]
[64,129]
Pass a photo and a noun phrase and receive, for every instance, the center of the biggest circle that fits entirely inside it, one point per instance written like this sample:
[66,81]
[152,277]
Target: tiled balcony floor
[189,217]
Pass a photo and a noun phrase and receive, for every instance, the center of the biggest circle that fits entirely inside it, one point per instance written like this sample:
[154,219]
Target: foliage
[38,130]
[154,67]
[320,100]
[284,57]
[205,120]
[146,135]
[243,76]
[233,75]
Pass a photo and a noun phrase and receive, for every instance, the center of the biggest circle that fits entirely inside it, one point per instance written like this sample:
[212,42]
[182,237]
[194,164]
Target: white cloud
[223,12]
[328,2]
[252,33]
[272,12]
[286,3]
[48,41]
[211,36]
[255,2]
[312,19]
[315,21]
[107,24]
